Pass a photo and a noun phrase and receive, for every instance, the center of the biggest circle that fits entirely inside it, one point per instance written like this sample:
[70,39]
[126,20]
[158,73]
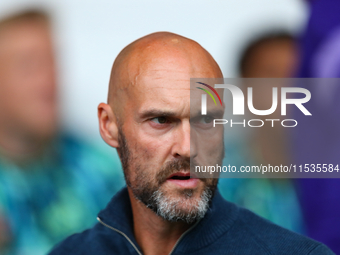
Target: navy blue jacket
[225,229]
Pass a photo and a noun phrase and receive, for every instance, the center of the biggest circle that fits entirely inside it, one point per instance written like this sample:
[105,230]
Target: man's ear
[108,125]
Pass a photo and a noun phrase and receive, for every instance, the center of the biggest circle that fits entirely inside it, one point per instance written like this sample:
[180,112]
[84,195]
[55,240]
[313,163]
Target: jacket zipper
[120,232]
[181,237]
[134,246]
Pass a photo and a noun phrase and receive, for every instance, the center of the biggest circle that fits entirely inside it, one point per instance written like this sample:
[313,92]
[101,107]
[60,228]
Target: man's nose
[181,143]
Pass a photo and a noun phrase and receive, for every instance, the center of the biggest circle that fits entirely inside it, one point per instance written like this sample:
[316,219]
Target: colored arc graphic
[209,92]
[206,91]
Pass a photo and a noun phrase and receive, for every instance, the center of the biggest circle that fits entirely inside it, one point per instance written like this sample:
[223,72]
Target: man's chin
[187,205]
[178,189]
[183,195]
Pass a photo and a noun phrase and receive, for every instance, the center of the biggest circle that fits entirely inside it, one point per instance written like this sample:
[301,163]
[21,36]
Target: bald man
[162,210]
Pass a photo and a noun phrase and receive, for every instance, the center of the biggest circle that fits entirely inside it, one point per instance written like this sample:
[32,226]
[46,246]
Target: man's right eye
[160,120]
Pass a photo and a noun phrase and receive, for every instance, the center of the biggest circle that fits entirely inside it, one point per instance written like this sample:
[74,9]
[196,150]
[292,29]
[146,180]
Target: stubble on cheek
[135,162]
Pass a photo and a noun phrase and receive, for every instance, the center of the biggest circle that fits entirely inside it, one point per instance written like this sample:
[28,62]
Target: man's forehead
[173,70]
[164,86]
[163,79]
[162,91]
[158,69]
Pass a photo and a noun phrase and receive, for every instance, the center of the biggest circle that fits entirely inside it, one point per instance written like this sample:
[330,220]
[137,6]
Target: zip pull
[120,232]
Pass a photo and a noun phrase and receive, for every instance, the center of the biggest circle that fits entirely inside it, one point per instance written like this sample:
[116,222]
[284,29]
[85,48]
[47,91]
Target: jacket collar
[218,220]
[118,214]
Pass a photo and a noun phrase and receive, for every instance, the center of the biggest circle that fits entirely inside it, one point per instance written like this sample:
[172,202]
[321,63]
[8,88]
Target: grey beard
[169,209]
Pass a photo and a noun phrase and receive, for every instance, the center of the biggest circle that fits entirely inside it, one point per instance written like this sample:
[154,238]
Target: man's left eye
[160,120]
[206,120]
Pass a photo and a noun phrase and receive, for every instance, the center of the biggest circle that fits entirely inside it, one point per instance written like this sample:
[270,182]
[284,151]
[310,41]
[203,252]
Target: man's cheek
[155,151]
[209,154]
[215,151]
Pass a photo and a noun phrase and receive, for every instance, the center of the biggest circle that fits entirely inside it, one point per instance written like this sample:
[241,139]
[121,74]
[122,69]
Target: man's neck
[153,234]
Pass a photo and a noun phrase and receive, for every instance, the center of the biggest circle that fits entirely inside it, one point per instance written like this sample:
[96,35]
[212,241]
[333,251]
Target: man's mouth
[180,176]
[183,180]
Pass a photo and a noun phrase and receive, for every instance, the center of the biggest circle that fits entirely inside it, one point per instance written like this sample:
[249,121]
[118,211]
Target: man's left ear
[108,125]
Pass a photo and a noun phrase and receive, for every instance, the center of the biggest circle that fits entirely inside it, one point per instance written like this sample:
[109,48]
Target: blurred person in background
[318,140]
[51,184]
[270,55]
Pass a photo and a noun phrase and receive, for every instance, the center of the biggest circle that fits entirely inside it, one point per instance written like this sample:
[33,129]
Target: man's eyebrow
[155,113]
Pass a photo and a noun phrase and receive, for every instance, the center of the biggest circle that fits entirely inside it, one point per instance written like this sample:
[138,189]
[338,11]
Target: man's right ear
[108,126]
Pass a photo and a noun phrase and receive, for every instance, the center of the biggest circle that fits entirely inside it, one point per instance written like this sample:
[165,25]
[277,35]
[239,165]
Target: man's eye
[206,119]
[160,120]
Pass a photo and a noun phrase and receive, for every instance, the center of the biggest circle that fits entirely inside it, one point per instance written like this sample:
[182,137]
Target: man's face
[154,143]
[27,79]
[272,59]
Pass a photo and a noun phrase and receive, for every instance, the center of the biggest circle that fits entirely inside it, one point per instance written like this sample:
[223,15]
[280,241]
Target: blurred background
[55,60]
[89,36]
